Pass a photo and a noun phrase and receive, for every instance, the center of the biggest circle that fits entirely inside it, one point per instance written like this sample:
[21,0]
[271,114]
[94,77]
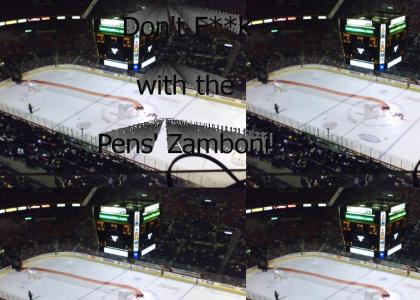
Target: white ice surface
[385,137]
[74,110]
[57,287]
[302,287]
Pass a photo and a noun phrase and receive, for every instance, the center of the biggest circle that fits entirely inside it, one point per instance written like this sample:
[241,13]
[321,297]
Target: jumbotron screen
[114,48]
[128,52]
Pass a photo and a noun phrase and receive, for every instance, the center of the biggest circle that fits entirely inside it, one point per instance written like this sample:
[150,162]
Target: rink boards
[67,275]
[314,275]
[332,103]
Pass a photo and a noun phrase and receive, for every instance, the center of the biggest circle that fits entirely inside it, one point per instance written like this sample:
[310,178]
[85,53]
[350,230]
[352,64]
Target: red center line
[133,102]
[382,292]
[136,291]
[377,101]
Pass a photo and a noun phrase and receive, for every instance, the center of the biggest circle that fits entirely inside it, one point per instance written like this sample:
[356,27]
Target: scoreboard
[128,52]
[374,230]
[374,42]
[130,233]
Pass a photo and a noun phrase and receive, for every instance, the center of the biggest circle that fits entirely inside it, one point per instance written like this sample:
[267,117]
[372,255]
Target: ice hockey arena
[327,276]
[79,276]
[83,102]
[375,117]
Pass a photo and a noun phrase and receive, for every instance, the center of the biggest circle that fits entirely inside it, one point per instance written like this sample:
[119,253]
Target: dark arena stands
[299,159]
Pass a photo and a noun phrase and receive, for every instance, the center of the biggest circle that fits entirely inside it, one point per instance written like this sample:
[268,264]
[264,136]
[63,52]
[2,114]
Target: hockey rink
[74,99]
[48,285]
[324,278]
[346,110]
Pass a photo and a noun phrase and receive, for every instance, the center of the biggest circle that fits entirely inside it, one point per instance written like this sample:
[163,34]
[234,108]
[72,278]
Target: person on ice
[276,107]
[30,295]
[276,295]
[30,108]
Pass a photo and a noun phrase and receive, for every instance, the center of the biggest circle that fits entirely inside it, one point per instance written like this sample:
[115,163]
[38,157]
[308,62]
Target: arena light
[2,211]
[322,17]
[307,205]
[274,30]
[268,21]
[20,208]
[228,45]
[21,21]
[61,18]
[75,204]
[28,218]
[228,232]
[248,211]
[307,17]
[45,206]
[28,30]
[45,18]
[256,22]
[280,19]
[274,218]
[258,209]
[291,205]
[61,205]
[12,209]
[363,252]
[11,22]
[322,204]
[2,23]
[291,18]
[268,208]
[34,19]
[395,249]
[279,206]
[75,17]
[34,206]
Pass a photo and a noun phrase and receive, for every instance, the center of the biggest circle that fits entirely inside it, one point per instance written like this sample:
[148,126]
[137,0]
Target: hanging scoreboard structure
[374,42]
[127,52]
[128,232]
[375,230]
